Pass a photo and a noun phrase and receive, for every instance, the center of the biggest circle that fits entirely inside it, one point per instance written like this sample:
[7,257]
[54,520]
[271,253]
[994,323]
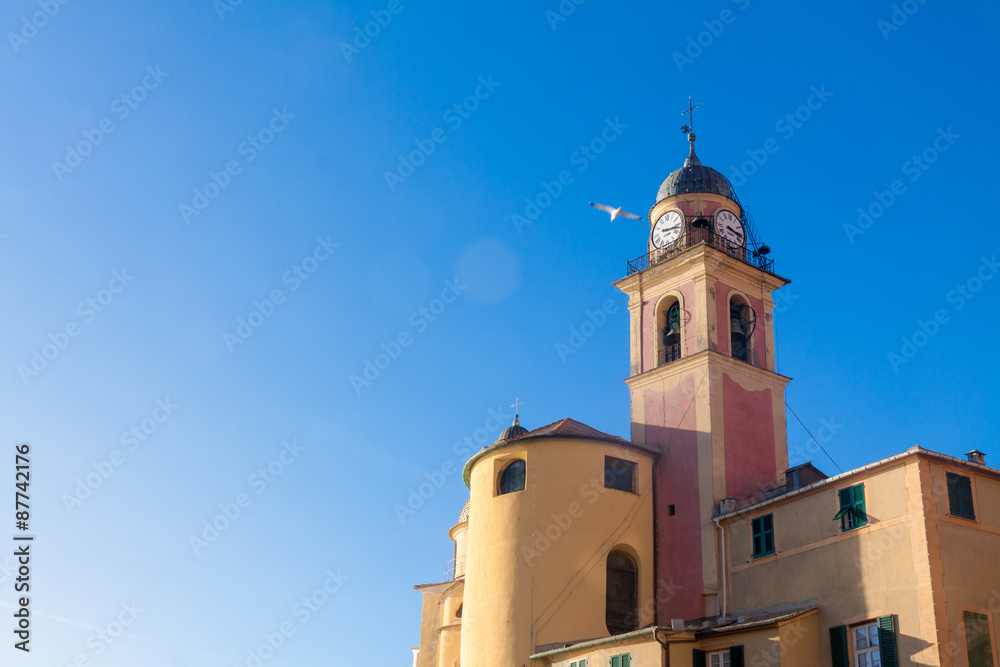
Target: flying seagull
[615,212]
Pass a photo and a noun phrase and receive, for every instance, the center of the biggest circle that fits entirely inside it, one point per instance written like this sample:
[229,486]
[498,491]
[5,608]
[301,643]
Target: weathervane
[689,129]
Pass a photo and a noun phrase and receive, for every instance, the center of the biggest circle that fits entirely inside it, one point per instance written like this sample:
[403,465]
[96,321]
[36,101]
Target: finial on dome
[692,159]
[514,429]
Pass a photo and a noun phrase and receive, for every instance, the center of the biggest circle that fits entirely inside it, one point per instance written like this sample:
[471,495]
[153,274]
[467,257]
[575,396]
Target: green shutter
[954,503]
[960,496]
[838,645]
[736,656]
[616,661]
[625,659]
[887,641]
[860,516]
[699,658]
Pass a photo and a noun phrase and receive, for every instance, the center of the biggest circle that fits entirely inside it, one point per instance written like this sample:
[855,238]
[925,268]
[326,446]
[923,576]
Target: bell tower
[703,385]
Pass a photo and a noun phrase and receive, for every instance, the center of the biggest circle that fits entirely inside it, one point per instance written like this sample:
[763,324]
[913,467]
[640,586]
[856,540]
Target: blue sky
[243,176]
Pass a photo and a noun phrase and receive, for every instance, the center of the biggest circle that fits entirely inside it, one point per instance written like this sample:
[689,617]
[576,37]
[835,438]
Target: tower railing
[697,236]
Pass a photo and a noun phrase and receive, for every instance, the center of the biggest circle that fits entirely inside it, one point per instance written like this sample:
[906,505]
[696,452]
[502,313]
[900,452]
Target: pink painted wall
[722,294]
[748,423]
[671,427]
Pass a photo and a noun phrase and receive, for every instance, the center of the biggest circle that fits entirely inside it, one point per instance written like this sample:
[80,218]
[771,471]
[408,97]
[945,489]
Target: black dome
[513,431]
[695,177]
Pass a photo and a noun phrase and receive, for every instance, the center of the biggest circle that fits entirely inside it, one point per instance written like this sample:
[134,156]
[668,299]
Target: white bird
[615,212]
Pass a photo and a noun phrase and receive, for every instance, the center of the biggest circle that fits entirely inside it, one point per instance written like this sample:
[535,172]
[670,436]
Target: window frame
[507,465]
[853,514]
[764,533]
[964,512]
[582,662]
[630,621]
[843,641]
[725,658]
[633,467]
[870,626]
[748,340]
[624,660]
[991,632]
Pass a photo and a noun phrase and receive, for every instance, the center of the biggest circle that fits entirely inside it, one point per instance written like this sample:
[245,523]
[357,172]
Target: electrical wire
[813,437]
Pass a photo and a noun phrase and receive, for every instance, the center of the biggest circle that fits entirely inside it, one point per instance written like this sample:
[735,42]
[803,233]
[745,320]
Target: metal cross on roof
[687,129]
[517,402]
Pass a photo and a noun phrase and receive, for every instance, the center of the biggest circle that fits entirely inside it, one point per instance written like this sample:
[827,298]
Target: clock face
[730,229]
[667,229]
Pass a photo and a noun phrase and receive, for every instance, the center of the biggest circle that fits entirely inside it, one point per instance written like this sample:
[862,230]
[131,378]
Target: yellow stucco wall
[439,604]
[535,570]
[876,570]
[642,651]
[965,559]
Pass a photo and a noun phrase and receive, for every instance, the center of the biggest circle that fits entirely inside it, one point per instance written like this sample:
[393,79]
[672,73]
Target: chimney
[976,456]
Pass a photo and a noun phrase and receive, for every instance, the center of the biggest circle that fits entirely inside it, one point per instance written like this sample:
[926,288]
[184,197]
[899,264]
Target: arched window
[669,324]
[623,584]
[512,477]
[458,612]
[742,321]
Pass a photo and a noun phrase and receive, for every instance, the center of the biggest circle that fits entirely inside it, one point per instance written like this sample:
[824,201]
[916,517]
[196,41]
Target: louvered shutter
[736,656]
[887,641]
[838,646]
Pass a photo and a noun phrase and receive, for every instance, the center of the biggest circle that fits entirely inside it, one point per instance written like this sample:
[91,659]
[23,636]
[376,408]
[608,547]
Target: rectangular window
[718,659]
[763,535]
[619,474]
[870,644]
[620,660]
[977,639]
[731,657]
[582,662]
[866,646]
[960,496]
[852,508]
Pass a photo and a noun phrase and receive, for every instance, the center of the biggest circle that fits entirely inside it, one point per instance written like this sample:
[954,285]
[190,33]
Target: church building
[691,543]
